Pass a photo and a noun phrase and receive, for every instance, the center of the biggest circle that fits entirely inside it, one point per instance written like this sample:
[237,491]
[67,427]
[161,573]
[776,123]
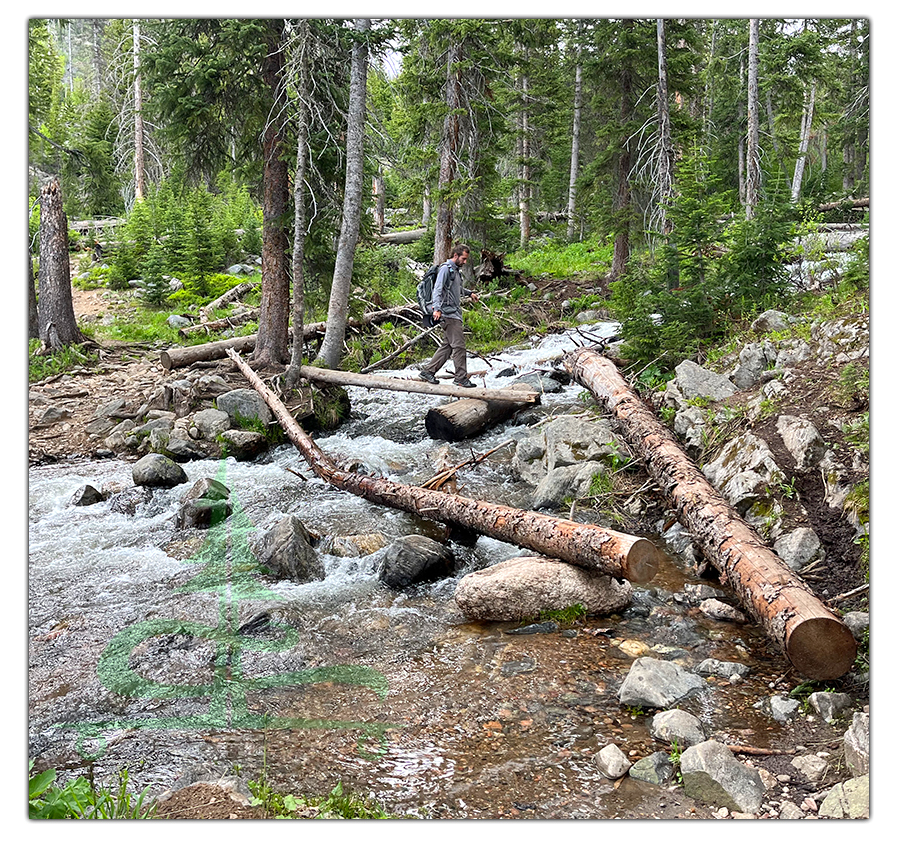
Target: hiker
[446,310]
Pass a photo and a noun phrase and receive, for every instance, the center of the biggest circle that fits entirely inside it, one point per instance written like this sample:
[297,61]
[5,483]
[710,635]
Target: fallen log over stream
[815,641]
[521,394]
[589,546]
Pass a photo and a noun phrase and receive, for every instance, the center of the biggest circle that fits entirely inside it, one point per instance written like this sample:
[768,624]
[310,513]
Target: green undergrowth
[81,799]
[337,804]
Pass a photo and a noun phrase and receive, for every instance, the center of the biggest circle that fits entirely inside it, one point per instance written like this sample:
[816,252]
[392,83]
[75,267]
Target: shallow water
[137,654]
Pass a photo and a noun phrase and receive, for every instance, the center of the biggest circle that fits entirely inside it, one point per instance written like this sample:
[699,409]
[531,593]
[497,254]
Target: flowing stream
[168,652]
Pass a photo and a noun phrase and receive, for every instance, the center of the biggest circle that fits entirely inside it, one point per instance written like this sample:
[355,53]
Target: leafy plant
[675,760]
[857,432]
[565,618]
[60,361]
[80,799]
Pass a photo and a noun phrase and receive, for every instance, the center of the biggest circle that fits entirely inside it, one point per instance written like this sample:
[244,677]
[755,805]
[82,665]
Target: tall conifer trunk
[754,172]
[274,310]
[450,136]
[333,344]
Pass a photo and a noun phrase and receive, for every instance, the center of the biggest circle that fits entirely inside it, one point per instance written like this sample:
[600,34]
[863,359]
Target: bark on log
[412,386]
[232,295]
[399,238]
[463,419]
[606,551]
[849,202]
[183,356]
[815,641]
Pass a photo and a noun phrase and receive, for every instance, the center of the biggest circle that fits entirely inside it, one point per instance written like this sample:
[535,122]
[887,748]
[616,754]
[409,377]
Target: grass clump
[43,366]
[336,805]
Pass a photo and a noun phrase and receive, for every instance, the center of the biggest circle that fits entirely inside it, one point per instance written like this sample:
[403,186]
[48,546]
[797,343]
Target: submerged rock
[653,683]
[414,559]
[523,587]
[285,550]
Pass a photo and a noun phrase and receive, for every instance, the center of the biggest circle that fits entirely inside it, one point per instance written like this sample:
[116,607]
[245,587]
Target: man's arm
[437,294]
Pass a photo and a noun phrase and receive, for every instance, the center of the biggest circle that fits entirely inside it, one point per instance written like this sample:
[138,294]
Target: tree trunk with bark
[754,169]
[450,142]
[524,151]
[139,183]
[274,309]
[622,202]
[229,296]
[33,327]
[576,142]
[815,641]
[598,548]
[56,314]
[463,419]
[298,307]
[805,133]
[333,345]
[666,147]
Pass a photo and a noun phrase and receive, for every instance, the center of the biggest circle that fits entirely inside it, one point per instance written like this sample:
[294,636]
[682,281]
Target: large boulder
[523,587]
[803,441]
[156,470]
[712,775]
[568,481]
[743,470]
[243,444]
[286,552]
[245,407]
[653,683]
[414,559]
[848,799]
[696,381]
[211,423]
[856,745]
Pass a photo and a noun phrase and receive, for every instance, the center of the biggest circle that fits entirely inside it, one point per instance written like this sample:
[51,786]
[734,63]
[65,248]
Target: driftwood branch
[232,295]
[589,546]
[816,641]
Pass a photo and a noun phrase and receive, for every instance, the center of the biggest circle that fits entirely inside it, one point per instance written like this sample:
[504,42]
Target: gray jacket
[448,291]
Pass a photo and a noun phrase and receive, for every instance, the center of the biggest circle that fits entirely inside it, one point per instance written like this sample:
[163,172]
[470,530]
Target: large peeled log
[463,419]
[815,641]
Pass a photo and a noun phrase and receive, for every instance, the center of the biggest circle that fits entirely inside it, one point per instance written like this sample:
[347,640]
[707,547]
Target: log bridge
[814,640]
[589,546]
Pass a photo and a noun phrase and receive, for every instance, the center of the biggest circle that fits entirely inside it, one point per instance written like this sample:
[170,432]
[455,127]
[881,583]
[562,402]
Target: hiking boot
[429,377]
[466,383]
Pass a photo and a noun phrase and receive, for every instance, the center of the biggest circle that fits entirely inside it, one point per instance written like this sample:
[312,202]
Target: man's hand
[436,315]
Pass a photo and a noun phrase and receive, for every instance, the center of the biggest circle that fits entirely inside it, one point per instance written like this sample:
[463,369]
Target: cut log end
[822,648]
[642,562]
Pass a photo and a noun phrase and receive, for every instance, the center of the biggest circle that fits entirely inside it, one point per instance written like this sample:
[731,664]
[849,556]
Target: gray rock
[677,726]
[128,500]
[753,360]
[285,550]
[52,415]
[690,426]
[789,811]
[743,470]
[211,385]
[781,708]
[721,611]
[848,799]
[176,321]
[87,495]
[696,381]
[657,684]
[858,622]
[205,504]
[712,775]
[612,762]
[572,440]
[414,559]
[541,383]
[812,768]
[244,406]
[528,460]
[211,423]
[679,542]
[522,587]
[798,548]
[856,744]
[182,448]
[656,769]
[724,669]
[771,321]
[562,483]
[830,706]
[802,440]
[242,444]
[154,469]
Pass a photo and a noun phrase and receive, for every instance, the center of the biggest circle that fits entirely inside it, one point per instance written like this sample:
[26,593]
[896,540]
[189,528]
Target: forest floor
[134,372]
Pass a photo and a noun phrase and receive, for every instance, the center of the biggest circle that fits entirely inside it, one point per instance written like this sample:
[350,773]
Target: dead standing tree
[589,546]
[815,641]
[56,314]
